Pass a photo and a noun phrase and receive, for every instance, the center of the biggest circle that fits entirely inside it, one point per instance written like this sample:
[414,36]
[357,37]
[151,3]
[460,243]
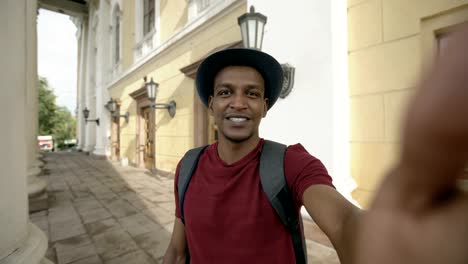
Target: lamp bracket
[171,107]
[288,80]
[93,120]
[125,116]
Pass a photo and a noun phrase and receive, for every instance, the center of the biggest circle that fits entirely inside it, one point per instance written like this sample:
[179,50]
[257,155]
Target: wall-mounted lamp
[252,27]
[112,107]
[86,115]
[152,90]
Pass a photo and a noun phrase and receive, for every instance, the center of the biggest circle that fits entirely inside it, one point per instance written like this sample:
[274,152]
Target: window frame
[116,35]
[149,16]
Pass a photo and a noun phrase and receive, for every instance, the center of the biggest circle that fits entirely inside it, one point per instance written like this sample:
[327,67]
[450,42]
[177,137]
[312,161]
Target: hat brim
[266,65]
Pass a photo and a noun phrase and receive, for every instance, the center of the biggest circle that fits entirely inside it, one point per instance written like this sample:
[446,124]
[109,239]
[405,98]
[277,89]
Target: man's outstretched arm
[176,251]
[336,216]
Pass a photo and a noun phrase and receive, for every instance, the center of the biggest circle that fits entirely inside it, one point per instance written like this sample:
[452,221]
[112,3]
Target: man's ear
[210,104]
[265,107]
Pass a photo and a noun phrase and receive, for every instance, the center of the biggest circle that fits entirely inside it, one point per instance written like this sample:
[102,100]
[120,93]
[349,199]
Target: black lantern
[112,107]
[86,115]
[252,26]
[152,91]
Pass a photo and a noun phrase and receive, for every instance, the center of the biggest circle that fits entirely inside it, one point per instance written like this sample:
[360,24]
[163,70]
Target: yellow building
[125,44]
[163,41]
[390,42]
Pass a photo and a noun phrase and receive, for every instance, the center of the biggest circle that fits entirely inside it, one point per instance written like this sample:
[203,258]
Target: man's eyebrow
[223,84]
[258,87]
[254,86]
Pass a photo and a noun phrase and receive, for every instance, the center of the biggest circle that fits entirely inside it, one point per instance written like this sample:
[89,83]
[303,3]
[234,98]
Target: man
[418,215]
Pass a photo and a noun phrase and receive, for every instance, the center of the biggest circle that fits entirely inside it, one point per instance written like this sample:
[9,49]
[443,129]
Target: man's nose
[238,101]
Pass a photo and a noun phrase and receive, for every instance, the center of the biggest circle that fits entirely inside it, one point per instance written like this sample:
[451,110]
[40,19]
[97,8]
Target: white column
[36,186]
[321,49]
[20,241]
[83,46]
[102,70]
[90,101]
[343,181]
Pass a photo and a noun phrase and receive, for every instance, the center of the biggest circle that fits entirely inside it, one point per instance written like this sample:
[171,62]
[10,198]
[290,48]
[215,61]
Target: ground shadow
[100,212]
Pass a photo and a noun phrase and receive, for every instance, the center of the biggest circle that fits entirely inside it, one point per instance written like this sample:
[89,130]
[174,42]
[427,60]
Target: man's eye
[253,94]
[223,92]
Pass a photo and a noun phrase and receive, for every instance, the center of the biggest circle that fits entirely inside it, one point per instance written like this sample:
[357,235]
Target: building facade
[166,42]
[355,66]
[390,44]
[125,44]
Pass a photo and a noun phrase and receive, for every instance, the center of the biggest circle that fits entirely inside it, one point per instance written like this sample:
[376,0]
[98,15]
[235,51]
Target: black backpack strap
[187,168]
[274,185]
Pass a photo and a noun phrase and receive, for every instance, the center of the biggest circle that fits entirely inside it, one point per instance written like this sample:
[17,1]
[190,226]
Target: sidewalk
[104,213]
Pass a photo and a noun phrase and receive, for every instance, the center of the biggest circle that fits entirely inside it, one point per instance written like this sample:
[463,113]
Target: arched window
[147,19]
[202,5]
[148,16]
[116,35]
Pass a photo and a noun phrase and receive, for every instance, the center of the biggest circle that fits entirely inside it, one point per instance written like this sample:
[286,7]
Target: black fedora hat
[265,64]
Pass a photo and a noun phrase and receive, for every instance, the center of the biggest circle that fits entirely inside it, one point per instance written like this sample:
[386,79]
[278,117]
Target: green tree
[54,120]
[64,126]
[47,107]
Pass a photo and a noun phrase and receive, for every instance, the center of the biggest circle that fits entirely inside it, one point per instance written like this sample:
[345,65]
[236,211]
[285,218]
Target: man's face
[238,103]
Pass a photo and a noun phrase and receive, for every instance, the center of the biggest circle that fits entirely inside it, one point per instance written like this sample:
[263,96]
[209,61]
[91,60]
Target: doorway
[145,130]
[147,138]
[115,138]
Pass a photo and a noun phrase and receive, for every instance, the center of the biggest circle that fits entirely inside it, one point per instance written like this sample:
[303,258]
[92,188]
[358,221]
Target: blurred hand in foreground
[419,215]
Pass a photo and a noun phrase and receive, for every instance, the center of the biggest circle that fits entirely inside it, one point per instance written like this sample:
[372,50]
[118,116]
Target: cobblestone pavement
[102,213]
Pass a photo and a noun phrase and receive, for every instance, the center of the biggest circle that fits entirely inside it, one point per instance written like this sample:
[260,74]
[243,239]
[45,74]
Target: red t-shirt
[228,218]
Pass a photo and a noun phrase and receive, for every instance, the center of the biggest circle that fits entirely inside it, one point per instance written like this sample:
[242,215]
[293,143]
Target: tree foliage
[64,126]
[54,120]
[47,107]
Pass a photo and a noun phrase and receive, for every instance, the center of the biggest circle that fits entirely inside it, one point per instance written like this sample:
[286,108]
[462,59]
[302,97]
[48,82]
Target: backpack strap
[274,185]
[187,168]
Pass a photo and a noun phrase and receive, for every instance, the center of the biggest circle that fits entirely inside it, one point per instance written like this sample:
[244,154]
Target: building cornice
[197,25]
[191,70]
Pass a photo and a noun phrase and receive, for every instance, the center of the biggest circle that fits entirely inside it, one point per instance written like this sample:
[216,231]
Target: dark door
[148,150]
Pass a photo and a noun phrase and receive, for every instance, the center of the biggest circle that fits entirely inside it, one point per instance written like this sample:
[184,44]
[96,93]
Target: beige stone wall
[174,136]
[128,33]
[174,15]
[388,42]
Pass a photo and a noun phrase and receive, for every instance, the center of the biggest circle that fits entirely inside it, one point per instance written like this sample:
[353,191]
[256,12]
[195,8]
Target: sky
[57,55]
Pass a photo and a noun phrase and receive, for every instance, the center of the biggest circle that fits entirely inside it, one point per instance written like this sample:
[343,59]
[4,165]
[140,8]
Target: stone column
[83,46]
[20,241]
[36,186]
[90,100]
[102,70]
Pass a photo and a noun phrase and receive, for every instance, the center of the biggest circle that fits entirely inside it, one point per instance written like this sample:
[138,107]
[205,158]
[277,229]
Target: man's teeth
[238,119]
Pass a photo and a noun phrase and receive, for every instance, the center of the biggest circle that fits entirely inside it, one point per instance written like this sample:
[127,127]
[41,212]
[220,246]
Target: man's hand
[419,215]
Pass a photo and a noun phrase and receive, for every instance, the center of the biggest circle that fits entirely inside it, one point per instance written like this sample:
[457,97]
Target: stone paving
[103,213]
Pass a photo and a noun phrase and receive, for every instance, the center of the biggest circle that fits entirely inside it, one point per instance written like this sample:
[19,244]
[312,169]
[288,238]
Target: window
[113,45]
[147,19]
[197,8]
[202,5]
[148,16]
[116,36]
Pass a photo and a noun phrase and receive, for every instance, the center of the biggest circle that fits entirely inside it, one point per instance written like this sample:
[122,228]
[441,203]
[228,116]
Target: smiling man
[226,215]
[225,212]
[240,103]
